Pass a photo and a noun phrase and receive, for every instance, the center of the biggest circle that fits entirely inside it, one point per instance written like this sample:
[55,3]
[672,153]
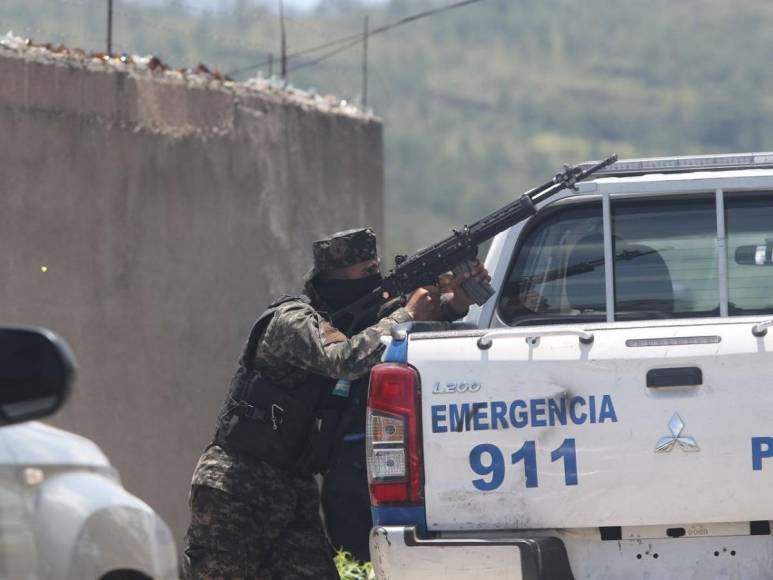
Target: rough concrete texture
[166,216]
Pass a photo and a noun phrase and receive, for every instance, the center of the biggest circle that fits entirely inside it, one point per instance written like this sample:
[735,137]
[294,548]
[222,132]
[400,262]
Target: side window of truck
[665,257]
[665,263]
[558,272]
[749,224]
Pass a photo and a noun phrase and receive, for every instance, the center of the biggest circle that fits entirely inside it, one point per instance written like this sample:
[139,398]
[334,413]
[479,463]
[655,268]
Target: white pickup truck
[608,414]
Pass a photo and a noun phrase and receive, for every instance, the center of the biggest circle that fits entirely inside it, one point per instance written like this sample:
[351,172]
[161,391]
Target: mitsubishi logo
[666,444]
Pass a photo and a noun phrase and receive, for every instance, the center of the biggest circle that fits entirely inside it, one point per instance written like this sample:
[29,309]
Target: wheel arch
[88,524]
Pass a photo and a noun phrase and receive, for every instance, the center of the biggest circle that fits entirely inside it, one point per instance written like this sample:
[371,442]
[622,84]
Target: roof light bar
[684,164]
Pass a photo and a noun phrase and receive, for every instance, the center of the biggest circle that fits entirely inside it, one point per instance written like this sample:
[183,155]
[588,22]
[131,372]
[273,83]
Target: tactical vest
[298,428]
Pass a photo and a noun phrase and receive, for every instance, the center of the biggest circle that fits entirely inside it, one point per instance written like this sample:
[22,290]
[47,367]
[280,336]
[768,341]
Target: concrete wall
[166,215]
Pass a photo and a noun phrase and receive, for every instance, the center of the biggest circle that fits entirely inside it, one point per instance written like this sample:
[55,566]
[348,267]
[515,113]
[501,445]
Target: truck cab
[607,414]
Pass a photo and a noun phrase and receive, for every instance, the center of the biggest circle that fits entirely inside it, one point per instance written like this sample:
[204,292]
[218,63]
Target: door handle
[674,377]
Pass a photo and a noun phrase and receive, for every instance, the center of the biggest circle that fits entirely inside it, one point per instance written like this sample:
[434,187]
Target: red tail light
[395,468]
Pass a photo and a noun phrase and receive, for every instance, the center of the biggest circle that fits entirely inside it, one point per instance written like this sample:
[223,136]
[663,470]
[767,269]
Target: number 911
[487,460]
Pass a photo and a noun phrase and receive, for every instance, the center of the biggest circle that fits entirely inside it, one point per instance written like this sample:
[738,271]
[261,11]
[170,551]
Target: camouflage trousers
[272,530]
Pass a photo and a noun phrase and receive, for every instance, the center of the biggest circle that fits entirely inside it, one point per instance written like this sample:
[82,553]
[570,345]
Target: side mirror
[36,371]
[759,255]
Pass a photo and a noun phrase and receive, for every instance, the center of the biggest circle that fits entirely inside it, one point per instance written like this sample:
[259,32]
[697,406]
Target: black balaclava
[337,294]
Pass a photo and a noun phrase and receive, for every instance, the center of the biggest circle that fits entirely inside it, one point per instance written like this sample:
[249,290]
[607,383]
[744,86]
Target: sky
[301,4]
[214,4]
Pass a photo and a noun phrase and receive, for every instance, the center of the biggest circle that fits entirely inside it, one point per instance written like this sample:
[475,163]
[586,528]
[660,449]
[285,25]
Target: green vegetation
[483,102]
[351,569]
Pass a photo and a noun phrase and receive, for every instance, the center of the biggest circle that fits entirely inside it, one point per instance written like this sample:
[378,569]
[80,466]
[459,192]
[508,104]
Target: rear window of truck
[666,261]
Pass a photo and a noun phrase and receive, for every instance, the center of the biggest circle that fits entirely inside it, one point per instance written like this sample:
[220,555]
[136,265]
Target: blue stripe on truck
[397,351]
[400,516]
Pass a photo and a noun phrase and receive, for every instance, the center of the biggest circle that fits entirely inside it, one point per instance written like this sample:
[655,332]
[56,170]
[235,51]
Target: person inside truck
[522,300]
[643,284]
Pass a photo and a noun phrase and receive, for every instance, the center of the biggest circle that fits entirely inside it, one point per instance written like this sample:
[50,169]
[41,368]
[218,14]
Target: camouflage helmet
[343,249]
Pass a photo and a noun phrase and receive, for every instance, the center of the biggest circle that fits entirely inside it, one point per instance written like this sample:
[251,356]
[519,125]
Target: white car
[63,512]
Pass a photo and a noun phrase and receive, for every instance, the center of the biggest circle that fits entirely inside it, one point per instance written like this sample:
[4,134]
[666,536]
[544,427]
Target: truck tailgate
[666,425]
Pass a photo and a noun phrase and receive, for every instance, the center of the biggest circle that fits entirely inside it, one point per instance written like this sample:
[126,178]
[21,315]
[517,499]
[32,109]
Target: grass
[351,569]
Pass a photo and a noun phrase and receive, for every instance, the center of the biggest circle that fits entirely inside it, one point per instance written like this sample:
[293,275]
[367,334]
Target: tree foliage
[482,102]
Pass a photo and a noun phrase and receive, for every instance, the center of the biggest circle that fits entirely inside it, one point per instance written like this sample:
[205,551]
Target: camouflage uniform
[251,519]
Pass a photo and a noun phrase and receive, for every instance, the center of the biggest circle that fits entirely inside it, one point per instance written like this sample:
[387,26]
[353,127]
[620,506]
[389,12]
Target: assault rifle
[454,253]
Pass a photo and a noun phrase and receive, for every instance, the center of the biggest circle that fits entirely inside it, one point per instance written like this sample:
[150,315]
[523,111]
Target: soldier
[254,501]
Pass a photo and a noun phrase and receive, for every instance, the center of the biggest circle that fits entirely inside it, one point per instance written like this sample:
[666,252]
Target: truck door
[638,397]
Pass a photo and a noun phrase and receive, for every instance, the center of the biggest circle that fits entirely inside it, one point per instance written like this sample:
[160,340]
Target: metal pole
[365,63]
[284,38]
[109,27]
[270,64]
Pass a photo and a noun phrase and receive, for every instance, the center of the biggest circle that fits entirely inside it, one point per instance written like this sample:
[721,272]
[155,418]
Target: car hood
[34,443]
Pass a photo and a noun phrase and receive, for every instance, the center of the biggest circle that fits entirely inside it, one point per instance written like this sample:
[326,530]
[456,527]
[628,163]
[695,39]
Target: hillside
[482,102]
